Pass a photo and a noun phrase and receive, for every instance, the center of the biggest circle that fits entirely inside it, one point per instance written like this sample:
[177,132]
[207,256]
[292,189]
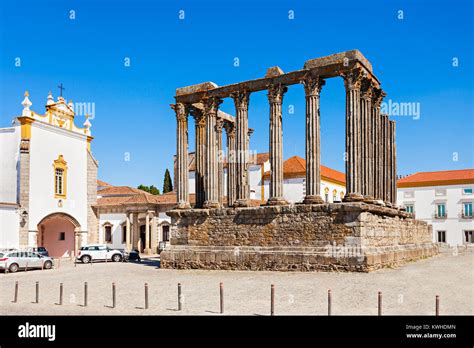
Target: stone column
[182,178]
[211,106]
[366,137]
[200,138]
[136,230]
[220,162]
[241,101]
[231,177]
[393,162]
[147,233]
[377,97]
[275,98]
[352,82]
[385,150]
[312,87]
[128,233]
[154,237]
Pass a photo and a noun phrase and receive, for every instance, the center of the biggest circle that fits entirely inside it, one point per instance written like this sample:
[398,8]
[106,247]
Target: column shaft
[200,151]
[241,101]
[367,144]
[275,98]
[210,180]
[220,162]
[313,85]
[231,177]
[128,233]
[182,155]
[352,81]
[147,233]
[394,163]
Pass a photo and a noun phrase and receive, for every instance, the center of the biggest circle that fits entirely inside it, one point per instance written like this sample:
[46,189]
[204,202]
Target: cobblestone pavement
[408,290]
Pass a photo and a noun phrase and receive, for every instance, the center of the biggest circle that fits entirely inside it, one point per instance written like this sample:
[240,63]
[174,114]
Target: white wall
[294,189]
[47,143]
[116,220]
[425,199]
[9,156]
[9,227]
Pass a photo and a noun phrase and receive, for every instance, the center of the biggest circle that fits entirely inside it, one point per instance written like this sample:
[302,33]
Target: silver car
[16,260]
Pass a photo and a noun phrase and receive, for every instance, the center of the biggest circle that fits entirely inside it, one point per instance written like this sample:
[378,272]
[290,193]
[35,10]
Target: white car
[89,253]
[16,260]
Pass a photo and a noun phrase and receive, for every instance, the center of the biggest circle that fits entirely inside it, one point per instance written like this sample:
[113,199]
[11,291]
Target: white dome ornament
[26,105]
[50,99]
[87,124]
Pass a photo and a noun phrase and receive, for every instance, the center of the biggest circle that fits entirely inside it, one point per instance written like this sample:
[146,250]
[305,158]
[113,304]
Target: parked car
[16,260]
[40,250]
[102,252]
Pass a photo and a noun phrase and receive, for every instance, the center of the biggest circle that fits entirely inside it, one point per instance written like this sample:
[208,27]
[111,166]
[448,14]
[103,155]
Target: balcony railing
[437,215]
[466,216]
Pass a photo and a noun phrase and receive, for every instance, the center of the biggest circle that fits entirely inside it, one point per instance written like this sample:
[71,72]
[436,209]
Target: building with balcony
[445,200]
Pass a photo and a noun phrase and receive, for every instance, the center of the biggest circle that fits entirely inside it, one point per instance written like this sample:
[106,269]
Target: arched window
[60,177]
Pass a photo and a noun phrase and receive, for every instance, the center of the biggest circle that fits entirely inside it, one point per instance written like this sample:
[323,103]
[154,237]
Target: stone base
[351,259]
[242,203]
[211,205]
[277,201]
[353,197]
[313,200]
[302,237]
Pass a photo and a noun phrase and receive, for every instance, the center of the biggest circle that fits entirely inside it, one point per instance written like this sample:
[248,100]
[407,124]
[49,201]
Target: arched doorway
[57,233]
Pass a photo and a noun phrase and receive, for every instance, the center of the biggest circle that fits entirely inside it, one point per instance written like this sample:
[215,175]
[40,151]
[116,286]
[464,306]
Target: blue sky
[412,57]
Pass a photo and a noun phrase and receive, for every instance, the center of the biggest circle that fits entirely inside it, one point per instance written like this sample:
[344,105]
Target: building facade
[445,200]
[48,180]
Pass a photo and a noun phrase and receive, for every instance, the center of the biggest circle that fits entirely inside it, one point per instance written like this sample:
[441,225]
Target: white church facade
[48,180]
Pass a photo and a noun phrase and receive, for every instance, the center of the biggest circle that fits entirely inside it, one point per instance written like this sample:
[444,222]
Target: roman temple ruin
[366,231]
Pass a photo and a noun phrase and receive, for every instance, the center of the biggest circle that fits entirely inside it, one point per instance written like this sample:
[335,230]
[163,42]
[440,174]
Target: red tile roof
[101,183]
[445,177]
[120,191]
[295,167]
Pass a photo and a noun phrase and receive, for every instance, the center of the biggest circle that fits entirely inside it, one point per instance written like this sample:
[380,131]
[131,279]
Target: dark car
[133,255]
[39,250]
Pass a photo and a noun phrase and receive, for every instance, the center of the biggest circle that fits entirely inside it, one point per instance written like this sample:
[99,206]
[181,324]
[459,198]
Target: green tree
[167,183]
[150,189]
[154,190]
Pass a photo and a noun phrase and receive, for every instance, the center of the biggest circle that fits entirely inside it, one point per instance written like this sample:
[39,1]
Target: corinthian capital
[353,78]
[377,96]
[219,125]
[181,111]
[313,85]
[366,88]
[276,92]
[241,99]
[229,128]
[211,105]
[198,115]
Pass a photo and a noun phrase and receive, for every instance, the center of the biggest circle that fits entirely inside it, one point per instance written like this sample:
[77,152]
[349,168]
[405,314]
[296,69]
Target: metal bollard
[113,296]
[26,268]
[146,295]
[37,292]
[15,296]
[329,302]
[221,293]
[60,294]
[179,297]
[85,294]
[272,300]
[437,305]
[380,302]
